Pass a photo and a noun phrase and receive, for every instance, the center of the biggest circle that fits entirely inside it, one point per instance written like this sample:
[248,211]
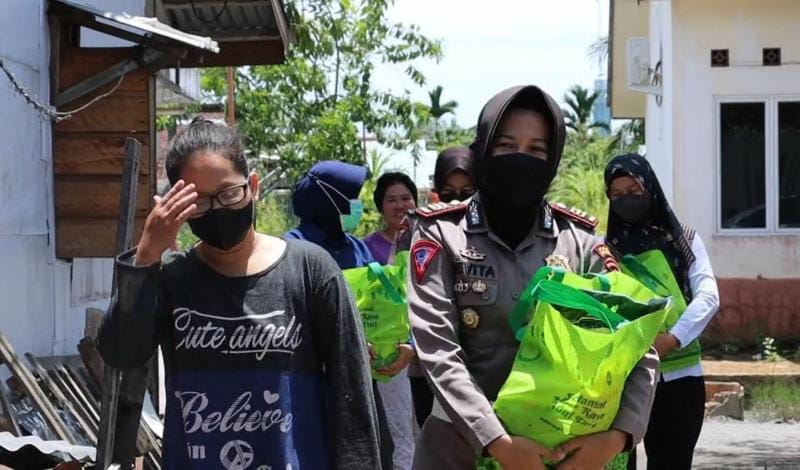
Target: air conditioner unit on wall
[641,76]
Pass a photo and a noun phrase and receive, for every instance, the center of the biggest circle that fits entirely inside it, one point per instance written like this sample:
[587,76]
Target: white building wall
[26,271]
[744,27]
[659,121]
[43,299]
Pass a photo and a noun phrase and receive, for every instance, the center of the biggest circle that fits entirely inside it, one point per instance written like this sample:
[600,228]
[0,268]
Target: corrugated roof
[146,25]
[232,20]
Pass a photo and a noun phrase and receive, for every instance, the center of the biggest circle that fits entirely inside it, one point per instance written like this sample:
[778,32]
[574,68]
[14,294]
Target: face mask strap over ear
[322,184]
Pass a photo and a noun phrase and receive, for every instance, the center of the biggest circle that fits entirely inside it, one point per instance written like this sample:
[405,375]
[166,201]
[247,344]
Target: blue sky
[489,46]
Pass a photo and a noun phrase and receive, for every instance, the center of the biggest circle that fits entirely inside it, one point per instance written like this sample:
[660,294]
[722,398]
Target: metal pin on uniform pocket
[470,318]
[479,287]
[461,287]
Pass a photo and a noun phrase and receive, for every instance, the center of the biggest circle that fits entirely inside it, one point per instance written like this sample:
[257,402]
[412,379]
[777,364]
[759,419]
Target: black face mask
[516,179]
[223,228]
[449,196]
[632,208]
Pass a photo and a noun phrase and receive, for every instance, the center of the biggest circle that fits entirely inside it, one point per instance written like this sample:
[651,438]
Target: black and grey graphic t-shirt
[258,367]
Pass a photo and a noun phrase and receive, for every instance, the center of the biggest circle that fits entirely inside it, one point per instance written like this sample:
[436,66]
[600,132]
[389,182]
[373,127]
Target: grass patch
[776,400]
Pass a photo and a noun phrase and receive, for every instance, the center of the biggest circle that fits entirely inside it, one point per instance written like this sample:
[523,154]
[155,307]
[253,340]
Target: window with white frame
[759,165]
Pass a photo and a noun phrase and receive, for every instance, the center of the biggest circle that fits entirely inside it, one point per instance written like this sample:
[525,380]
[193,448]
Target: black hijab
[451,160]
[512,225]
[661,231]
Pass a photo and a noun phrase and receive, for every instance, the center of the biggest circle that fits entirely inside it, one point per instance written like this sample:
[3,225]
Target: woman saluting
[266,362]
[470,263]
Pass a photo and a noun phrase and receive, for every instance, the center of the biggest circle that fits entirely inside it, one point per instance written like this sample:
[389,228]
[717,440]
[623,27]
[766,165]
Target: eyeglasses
[227,197]
[449,196]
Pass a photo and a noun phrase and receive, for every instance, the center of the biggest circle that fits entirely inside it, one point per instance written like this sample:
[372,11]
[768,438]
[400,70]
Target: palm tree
[598,51]
[628,137]
[578,113]
[437,108]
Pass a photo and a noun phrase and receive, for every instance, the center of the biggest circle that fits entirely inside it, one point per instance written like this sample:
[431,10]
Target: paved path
[735,444]
[730,444]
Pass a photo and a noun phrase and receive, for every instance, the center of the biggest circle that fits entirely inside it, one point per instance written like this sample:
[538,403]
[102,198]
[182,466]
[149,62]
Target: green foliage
[768,350]
[273,215]
[628,137]
[578,113]
[166,123]
[214,83]
[580,177]
[186,239]
[439,109]
[449,135]
[776,400]
[316,105]
[372,219]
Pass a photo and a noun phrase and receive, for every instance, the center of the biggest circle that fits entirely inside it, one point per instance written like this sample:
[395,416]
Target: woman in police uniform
[471,261]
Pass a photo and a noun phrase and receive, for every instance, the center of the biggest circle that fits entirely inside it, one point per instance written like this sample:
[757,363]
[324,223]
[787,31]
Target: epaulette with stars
[576,215]
[438,209]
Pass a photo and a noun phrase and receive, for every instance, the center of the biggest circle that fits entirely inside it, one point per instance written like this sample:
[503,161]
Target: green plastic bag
[620,462]
[575,354]
[623,294]
[652,269]
[380,297]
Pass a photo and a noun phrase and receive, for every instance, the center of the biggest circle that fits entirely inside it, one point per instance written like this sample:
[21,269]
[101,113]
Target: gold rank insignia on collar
[440,208]
[576,215]
[558,261]
[472,253]
[470,318]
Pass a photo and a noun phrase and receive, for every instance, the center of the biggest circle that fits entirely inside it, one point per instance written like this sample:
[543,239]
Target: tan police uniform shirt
[460,302]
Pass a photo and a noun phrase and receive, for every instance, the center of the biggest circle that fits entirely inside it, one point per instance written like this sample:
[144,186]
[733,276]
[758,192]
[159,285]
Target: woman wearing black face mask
[265,356]
[469,264]
[453,177]
[640,220]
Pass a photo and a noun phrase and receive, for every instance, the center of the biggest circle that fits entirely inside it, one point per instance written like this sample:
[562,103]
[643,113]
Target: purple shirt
[379,246]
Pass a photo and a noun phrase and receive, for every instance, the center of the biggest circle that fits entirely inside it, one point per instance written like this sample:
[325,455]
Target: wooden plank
[89,145]
[93,363]
[89,238]
[78,64]
[76,153]
[5,406]
[128,204]
[95,197]
[94,317]
[86,384]
[77,403]
[263,52]
[62,400]
[120,112]
[35,393]
[88,405]
[94,85]
[117,438]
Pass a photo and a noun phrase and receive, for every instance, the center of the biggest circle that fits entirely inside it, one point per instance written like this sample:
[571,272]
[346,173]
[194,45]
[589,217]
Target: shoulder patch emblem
[440,208]
[422,253]
[576,215]
[604,253]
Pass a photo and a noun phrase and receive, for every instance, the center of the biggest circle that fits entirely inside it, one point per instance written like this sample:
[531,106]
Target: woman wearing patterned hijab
[640,220]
